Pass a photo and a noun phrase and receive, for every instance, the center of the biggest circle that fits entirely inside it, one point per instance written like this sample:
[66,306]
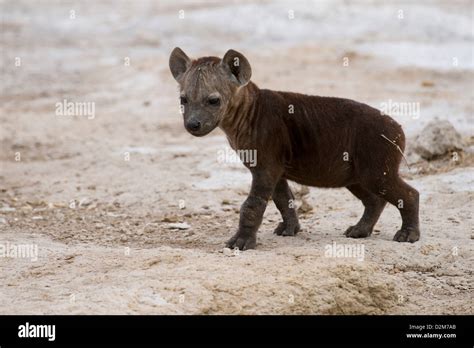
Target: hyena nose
[193,125]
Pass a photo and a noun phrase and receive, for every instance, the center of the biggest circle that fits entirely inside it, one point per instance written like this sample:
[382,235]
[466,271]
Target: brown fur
[324,142]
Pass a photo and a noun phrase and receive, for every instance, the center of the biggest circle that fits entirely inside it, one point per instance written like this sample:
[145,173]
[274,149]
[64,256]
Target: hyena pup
[312,140]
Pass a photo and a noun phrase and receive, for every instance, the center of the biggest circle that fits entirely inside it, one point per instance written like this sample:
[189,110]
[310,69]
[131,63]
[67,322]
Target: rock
[92,206]
[179,226]
[115,215]
[231,252]
[150,227]
[3,220]
[299,191]
[85,202]
[411,156]
[37,204]
[170,218]
[437,138]
[305,207]
[7,209]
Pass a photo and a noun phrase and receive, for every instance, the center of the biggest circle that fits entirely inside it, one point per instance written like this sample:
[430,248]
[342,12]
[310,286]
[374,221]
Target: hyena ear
[179,63]
[238,66]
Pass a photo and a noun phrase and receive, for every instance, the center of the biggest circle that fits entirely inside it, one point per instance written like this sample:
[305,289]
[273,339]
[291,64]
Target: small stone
[3,220]
[179,226]
[84,202]
[115,215]
[227,252]
[170,218]
[453,220]
[92,206]
[305,207]
[149,228]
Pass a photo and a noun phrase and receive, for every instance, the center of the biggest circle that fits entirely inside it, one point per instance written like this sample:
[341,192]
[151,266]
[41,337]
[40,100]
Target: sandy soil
[98,197]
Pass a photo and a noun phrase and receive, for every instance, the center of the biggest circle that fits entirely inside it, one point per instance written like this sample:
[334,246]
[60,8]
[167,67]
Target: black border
[222,330]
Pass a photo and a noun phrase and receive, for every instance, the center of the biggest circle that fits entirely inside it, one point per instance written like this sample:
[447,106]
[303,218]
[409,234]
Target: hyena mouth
[202,130]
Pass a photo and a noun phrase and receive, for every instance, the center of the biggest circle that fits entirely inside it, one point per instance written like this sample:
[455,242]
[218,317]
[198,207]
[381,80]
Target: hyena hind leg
[284,201]
[373,207]
[406,199]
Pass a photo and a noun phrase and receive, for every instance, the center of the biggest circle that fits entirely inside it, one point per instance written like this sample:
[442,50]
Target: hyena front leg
[251,212]
[285,202]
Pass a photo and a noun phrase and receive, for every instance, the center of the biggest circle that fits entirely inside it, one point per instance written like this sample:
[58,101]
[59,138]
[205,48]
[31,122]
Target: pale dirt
[115,252]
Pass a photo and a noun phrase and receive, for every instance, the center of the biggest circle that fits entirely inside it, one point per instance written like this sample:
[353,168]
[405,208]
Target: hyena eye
[214,101]
[183,100]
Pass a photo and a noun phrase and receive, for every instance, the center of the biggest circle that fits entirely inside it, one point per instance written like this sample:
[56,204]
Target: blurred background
[115,54]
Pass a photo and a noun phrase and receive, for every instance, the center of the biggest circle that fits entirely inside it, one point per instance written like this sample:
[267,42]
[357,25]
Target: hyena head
[207,87]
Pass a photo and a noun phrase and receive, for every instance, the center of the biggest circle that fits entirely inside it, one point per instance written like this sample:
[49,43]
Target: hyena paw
[358,231]
[287,229]
[409,234]
[243,242]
